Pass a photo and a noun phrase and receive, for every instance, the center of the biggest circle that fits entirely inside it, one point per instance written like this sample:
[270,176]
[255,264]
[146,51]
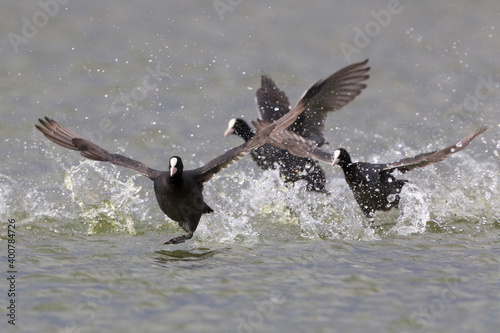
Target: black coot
[324,96]
[178,191]
[373,185]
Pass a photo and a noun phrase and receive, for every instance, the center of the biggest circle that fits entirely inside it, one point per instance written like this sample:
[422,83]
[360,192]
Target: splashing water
[107,203]
[251,205]
[413,211]
[333,216]
[223,228]
[23,201]
[265,204]
[235,211]
[471,197]
[433,194]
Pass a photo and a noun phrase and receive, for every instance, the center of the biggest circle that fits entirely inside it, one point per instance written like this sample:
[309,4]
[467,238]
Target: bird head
[175,166]
[341,157]
[239,127]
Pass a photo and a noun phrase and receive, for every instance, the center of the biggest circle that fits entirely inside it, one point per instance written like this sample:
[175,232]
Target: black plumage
[324,96]
[292,168]
[178,191]
[373,185]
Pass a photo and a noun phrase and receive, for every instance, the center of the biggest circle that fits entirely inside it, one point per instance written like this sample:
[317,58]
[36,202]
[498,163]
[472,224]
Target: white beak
[336,158]
[229,131]
[230,127]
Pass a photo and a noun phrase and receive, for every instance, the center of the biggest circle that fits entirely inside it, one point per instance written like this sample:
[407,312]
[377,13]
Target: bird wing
[329,95]
[295,144]
[333,92]
[425,159]
[211,168]
[272,102]
[59,134]
[223,161]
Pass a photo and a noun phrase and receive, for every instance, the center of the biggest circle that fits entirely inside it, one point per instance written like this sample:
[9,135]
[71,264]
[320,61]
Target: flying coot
[178,191]
[326,95]
[373,185]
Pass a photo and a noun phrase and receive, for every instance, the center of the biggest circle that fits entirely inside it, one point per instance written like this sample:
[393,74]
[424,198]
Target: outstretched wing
[59,134]
[272,102]
[345,87]
[425,159]
[295,144]
[229,157]
[329,95]
[334,92]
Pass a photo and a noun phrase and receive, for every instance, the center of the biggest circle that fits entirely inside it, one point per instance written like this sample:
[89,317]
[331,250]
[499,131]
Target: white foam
[104,199]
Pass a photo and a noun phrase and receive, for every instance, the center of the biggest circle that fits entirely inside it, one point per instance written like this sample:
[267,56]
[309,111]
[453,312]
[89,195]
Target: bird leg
[180,239]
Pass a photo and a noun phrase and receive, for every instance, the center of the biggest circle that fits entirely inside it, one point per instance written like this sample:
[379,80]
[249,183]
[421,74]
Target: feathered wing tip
[66,138]
[325,96]
[425,159]
[271,101]
[339,88]
[57,133]
[308,117]
[63,136]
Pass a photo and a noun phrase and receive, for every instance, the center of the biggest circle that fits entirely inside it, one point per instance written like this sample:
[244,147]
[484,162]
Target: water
[152,80]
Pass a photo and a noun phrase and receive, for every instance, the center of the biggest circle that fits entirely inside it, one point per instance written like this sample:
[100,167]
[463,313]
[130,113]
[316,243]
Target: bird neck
[176,179]
[245,131]
[347,167]
[347,164]
[247,135]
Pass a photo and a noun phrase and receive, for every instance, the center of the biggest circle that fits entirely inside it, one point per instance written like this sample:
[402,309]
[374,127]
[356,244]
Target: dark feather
[272,102]
[329,95]
[59,134]
[295,144]
[372,184]
[425,159]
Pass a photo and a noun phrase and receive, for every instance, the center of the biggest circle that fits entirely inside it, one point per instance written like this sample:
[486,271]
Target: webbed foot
[180,239]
